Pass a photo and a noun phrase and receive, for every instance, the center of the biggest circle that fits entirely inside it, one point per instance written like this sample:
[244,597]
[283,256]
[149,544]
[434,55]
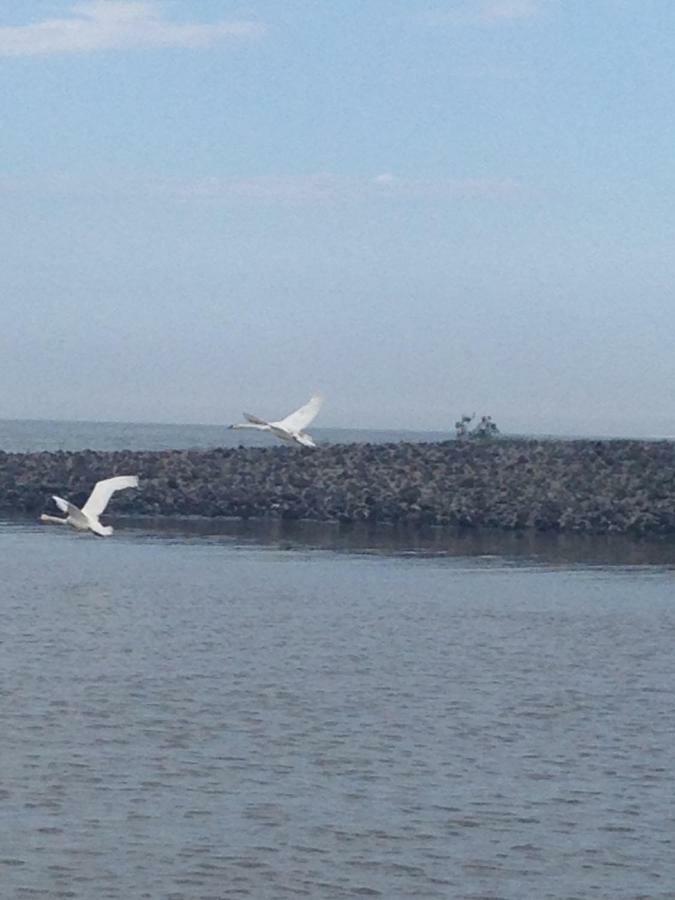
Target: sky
[417,208]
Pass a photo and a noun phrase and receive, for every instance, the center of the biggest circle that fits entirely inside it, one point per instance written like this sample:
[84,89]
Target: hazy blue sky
[417,208]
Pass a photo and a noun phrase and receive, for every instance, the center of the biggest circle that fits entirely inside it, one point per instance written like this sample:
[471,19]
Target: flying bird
[87,518]
[292,428]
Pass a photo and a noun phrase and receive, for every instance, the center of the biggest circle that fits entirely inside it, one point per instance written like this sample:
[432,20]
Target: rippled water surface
[201,716]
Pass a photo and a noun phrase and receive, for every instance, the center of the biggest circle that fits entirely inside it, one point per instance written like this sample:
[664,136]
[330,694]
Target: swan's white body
[292,428]
[87,518]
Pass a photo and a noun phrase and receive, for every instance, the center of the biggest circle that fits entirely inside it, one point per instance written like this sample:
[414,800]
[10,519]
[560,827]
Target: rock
[574,486]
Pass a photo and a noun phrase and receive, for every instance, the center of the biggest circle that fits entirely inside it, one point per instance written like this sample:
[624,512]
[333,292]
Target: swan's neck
[53,519]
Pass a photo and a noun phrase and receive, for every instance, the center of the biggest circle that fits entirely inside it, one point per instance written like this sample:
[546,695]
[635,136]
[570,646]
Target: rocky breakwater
[573,486]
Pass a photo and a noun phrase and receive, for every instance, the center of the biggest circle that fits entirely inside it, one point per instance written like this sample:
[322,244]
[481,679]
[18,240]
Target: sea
[192,710]
[26,436]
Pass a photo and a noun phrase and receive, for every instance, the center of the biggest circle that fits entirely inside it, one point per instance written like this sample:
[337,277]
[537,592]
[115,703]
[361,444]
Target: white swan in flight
[292,428]
[87,518]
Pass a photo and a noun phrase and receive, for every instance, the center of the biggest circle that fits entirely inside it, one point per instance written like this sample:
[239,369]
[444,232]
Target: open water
[27,435]
[190,714]
[199,711]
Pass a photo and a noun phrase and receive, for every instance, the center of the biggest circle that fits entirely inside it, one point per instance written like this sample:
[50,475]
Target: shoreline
[568,486]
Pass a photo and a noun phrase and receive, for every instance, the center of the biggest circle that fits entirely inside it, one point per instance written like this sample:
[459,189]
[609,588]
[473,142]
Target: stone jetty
[599,487]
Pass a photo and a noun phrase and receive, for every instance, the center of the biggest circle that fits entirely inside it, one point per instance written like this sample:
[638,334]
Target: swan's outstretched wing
[254,419]
[70,510]
[301,418]
[104,490]
[62,504]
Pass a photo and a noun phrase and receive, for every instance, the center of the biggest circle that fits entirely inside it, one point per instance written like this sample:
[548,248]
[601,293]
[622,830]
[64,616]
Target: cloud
[274,188]
[318,189]
[486,12]
[116,25]
[330,188]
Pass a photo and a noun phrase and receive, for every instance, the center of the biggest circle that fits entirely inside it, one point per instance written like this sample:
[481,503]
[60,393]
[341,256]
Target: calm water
[189,714]
[24,436]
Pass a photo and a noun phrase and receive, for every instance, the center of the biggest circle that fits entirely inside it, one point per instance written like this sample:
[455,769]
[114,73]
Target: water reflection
[517,547]
[527,547]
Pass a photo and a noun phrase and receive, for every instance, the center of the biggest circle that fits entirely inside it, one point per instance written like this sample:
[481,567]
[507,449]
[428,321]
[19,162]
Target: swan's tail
[97,528]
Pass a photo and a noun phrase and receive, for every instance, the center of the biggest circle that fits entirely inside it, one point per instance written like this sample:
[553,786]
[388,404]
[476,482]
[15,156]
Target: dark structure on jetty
[571,486]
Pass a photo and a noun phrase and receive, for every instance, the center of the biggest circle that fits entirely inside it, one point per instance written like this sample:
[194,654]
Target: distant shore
[578,486]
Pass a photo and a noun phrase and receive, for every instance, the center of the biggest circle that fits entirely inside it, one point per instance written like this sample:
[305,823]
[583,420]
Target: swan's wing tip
[118,482]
